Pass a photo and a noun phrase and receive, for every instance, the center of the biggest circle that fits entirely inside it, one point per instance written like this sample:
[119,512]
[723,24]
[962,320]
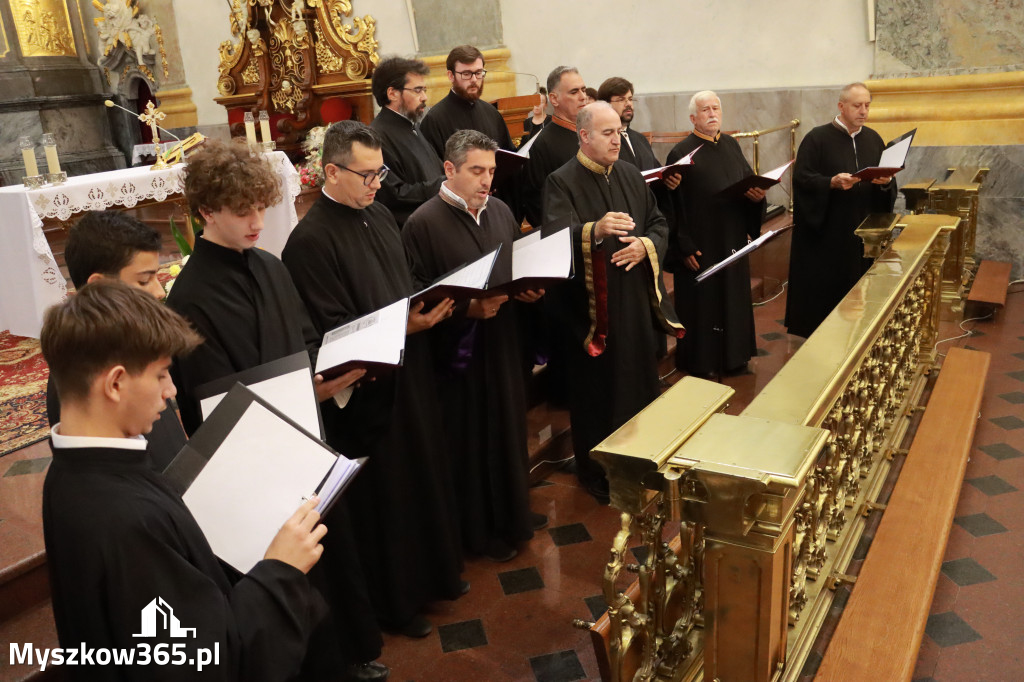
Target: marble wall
[441,25]
[939,37]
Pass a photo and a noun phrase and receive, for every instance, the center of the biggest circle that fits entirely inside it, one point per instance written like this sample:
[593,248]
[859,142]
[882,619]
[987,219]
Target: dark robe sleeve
[810,185]
[682,245]
[432,127]
[532,189]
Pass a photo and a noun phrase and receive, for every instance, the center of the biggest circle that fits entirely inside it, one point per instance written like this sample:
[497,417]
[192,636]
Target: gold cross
[151,116]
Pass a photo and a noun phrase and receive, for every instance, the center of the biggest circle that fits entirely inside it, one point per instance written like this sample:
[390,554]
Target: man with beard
[605,311]
[709,226]
[476,353]
[826,257]
[415,172]
[463,108]
[557,143]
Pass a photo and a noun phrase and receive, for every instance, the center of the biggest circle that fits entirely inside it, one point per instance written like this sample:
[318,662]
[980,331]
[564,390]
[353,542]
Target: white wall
[673,45]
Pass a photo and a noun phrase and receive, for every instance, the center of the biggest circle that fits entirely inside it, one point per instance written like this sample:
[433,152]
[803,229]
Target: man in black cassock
[476,352]
[709,226]
[826,257]
[243,302]
[118,536]
[347,260]
[415,172]
[606,309]
[557,143]
[113,244]
[463,108]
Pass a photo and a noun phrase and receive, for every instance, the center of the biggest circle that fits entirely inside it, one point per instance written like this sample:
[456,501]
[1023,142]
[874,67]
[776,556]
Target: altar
[31,281]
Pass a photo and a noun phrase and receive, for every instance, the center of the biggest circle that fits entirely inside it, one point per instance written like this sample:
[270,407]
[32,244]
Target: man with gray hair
[707,227]
[558,142]
[477,354]
[826,257]
[607,309]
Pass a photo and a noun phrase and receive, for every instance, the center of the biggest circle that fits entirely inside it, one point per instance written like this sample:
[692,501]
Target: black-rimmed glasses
[418,90]
[467,75]
[368,176]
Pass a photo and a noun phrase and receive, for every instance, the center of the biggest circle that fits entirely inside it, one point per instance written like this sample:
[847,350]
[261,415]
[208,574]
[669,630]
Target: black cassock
[416,170]
[118,536]
[638,151]
[479,367]
[249,313]
[457,113]
[347,263]
[164,441]
[611,355]
[715,224]
[556,144]
[826,257]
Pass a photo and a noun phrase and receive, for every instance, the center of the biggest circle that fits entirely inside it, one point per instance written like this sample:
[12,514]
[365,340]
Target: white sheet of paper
[776,173]
[377,337]
[525,151]
[291,393]
[472,276]
[547,257]
[736,255]
[253,484]
[341,472]
[685,161]
[896,155]
[523,242]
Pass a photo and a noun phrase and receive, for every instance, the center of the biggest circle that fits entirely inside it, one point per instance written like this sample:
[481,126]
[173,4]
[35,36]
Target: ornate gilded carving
[44,28]
[251,74]
[4,46]
[230,51]
[288,67]
[326,59]
[360,41]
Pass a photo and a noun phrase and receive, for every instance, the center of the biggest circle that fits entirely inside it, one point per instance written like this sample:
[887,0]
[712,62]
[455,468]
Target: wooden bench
[988,291]
[880,631]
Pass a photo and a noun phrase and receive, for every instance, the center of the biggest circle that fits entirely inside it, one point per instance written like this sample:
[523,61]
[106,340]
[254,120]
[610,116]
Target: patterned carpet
[23,374]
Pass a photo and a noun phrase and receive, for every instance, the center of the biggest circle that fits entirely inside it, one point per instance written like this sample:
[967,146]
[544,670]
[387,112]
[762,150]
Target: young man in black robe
[826,257]
[118,536]
[557,143]
[243,302]
[463,108]
[347,260]
[708,227]
[415,172]
[476,352]
[606,310]
[112,244]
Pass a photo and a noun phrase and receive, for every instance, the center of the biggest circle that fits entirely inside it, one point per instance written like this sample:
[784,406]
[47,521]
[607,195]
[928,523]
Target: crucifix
[150,117]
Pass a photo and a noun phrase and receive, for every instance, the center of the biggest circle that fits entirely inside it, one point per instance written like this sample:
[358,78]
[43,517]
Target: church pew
[988,291]
[881,628]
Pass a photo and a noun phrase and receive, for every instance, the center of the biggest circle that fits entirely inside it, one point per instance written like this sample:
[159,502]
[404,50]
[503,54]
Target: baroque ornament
[122,28]
[44,28]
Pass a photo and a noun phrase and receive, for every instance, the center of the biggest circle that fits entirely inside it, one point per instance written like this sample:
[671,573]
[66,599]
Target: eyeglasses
[467,75]
[368,176]
[617,99]
[418,90]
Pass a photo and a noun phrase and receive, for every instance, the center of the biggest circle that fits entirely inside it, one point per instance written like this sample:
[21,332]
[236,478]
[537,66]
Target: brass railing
[756,135]
[771,503]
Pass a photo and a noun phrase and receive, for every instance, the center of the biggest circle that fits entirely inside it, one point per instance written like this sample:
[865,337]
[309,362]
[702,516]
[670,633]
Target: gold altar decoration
[770,504]
[44,28]
[4,45]
[291,56]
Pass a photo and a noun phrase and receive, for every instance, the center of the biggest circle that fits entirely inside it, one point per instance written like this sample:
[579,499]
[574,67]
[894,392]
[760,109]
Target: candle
[28,154]
[50,147]
[265,127]
[250,128]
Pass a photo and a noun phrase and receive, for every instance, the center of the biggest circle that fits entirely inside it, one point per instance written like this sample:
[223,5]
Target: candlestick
[49,143]
[265,127]
[28,154]
[250,128]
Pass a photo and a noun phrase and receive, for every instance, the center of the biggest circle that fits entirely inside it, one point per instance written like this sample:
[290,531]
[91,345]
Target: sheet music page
[377,337]
[253,484]
[291,393]
[685,161]
[474,275]
[525,151]
[896,155]
[776,173]
[343,469]
[548,257]
[528,240]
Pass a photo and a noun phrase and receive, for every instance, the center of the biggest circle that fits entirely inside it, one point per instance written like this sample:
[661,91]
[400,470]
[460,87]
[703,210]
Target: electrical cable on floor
[550,461]
[782,288]
[968,332]
[674,370]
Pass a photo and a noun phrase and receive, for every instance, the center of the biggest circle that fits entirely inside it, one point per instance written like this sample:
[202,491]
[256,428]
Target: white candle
[265,127]
[50,147]
[250,128]
[28,154]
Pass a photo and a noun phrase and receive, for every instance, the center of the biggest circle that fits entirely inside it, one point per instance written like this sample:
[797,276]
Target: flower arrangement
[311,172]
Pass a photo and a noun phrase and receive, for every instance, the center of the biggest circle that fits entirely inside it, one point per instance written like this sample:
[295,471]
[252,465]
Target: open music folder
[894,158]
[247,469]
[465,282]
[538,261]
[286,383]
[655,174]
[745,251]
[374,342]
[762,181]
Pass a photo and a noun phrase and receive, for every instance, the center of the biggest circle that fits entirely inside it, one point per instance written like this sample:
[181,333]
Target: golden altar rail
[769,504]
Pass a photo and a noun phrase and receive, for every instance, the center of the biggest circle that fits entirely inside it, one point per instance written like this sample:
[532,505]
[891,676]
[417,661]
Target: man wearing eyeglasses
[415,172]
[347,261]
[463,108]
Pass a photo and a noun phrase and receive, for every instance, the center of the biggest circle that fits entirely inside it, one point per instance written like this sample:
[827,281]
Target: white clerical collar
[839,122]
[66,442]
[454,199]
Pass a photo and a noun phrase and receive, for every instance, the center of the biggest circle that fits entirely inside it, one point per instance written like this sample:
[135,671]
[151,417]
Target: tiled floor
[514,624]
